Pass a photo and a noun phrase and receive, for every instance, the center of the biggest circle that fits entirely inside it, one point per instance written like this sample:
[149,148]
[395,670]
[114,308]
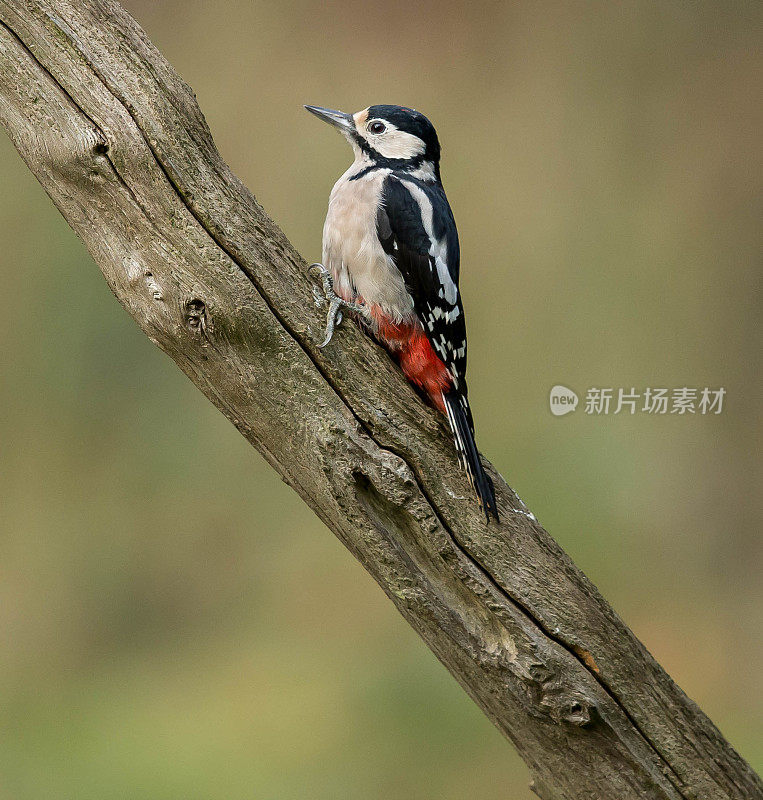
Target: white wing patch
[448,316]
[438,249]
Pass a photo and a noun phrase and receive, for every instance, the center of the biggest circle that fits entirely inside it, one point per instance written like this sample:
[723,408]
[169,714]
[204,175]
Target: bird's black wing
[417,230]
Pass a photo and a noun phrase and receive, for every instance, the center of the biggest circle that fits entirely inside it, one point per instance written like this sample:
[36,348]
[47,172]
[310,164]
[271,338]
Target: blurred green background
[174,622]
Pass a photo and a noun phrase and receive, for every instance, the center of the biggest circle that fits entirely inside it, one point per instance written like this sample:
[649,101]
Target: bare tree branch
[118,142]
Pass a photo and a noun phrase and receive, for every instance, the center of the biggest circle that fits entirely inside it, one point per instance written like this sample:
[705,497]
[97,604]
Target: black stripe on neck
[364,172]
[395,165]
[378,161]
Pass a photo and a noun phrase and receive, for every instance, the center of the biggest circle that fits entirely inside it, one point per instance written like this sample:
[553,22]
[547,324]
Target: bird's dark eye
[377,127]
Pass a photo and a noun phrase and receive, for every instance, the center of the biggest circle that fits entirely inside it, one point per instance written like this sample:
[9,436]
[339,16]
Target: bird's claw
[336,303]
[320,298]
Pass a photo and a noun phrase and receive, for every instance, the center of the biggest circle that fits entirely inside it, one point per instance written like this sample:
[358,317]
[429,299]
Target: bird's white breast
[351,246]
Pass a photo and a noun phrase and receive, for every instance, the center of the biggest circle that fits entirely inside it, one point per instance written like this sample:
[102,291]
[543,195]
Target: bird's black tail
[460,419]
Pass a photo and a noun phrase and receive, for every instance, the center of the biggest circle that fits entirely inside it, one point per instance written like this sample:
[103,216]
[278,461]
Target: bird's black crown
[410,121]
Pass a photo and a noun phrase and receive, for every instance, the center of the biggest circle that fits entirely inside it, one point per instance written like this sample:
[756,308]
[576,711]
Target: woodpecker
[391,257]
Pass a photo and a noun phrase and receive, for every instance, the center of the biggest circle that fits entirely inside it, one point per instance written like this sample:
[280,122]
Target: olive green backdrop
[174,623]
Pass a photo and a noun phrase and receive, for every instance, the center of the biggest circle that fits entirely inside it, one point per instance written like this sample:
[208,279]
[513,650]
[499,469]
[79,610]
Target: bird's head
[393,136]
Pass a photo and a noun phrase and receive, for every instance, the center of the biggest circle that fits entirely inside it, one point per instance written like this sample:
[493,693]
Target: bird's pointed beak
[344,122]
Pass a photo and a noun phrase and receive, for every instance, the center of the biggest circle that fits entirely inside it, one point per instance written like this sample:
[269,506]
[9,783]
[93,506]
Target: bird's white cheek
[398,144]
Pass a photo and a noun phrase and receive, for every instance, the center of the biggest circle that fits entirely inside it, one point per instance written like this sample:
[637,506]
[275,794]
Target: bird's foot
[335,302]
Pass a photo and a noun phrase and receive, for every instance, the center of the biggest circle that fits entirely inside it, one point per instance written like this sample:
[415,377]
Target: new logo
[562,400]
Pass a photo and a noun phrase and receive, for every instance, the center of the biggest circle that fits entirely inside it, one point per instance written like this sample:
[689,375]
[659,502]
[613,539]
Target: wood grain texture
[118,142]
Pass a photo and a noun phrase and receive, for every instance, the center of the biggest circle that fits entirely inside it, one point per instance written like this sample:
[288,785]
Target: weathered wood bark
[119,144]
